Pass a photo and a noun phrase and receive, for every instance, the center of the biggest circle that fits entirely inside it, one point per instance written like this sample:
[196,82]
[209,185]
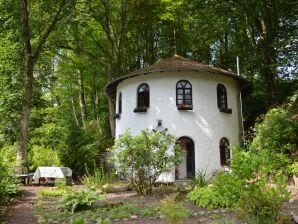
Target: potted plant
[184,107]
[140,109]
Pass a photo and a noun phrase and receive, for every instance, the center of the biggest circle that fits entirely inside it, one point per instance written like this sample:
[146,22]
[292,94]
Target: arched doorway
[186,169]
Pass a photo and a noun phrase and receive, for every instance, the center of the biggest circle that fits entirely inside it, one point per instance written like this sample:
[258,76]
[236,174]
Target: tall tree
[31,55]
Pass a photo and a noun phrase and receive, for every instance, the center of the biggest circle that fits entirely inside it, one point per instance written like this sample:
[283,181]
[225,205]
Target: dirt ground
[21,210]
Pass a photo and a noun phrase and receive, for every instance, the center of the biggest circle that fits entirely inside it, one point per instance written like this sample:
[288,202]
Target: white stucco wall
[205,124]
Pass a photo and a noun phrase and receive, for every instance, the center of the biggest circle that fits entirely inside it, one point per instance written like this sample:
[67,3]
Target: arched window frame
[184,95]
[225,154]
[143,98]
[222,99]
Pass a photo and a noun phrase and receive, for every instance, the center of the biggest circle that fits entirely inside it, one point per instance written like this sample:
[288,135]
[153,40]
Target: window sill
[226,110]
[184,107]
[117,116]
[140,109]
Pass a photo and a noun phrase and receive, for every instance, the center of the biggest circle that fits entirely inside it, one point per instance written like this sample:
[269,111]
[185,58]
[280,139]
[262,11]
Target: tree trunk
[75,117]
[30,58]
[82,99]
[28,89]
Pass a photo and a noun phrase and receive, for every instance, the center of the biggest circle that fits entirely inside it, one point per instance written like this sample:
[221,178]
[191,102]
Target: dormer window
[225,155]
[222,101]
[143,98]
[184,95]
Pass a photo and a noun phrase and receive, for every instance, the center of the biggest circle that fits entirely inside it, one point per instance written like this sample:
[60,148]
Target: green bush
[77,200]
[41,156]
[9,156]
[293,168]
[260,203]
[145,156]
[200,179]
[9,184]
[277,132]
[98,177]
[223,193]
[247,189]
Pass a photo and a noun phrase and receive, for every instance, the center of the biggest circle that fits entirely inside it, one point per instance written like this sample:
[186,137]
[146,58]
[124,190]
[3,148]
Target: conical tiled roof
[175,63]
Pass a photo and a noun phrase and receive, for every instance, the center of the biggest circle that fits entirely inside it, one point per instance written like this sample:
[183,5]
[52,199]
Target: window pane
[188,97]
[179,91]
[179,102]
[187,91]
[188,102]
[180,97]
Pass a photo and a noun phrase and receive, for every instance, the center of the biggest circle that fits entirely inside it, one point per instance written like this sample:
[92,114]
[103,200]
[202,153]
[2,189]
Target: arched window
[224,152]
[183,93]
[222,102]
[143,96]
[120,103]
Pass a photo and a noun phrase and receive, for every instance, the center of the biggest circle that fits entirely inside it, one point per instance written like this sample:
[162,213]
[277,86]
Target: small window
[222,97]
[143,96]
[120,103]
[184,95]
[224,152]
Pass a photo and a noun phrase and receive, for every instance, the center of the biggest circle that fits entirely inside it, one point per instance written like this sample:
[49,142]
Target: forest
[56,56]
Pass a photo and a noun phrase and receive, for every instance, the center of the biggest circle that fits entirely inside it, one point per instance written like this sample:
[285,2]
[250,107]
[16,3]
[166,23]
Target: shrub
[98,177]
[277,132]
[42,156]
[145,156]
[77,200]
[172,210]
[9,184]
[247,188]
[293,168]
[223,193]
[9,156]
[200,179]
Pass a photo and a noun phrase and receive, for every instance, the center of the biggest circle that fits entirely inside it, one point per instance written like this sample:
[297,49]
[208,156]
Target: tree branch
[51,27]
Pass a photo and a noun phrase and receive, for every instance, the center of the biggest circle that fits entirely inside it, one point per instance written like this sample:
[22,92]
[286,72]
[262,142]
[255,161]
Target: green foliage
[261,203]
[172,210]
[98,177]
[145,156]
[150,211]
[254,187]
[80,152]
[293,168]
[200,179]
[9,155]
[104,221]
[77,200]
[51,193]
[217,195]
[41,156]
[78,221]
[9,184]
[277,132]
[123,211]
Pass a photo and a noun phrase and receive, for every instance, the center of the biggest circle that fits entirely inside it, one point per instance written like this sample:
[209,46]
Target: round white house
[198,103]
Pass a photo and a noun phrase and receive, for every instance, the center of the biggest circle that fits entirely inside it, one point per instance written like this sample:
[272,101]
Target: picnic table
[51,173]
[26,178]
